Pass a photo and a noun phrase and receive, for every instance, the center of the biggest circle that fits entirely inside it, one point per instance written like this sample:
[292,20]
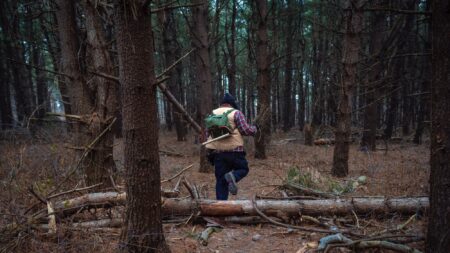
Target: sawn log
[207,207]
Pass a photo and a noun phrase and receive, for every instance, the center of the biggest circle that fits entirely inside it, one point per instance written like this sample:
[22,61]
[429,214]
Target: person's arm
[242,125]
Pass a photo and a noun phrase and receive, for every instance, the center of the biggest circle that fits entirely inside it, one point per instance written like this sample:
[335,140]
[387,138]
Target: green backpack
[218,125]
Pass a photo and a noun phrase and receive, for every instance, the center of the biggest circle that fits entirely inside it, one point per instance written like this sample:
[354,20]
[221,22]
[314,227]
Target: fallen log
[206,207]
[103,223]
[361,205]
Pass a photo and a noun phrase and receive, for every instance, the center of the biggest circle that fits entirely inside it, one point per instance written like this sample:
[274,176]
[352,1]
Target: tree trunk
[101,164]
[263,72]
[14,50]
[374,78]
[352,43]
[5,94]
[393,102]
[438,240]
[142,231]
[287,105]
[231,68]
[316,77]
[80,102]
[172,53]
[43,98]
[202,69]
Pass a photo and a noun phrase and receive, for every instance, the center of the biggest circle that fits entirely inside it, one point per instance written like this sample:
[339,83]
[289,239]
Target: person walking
[228,155]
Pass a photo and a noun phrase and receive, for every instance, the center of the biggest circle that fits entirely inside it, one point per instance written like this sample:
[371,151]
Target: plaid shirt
[243,127]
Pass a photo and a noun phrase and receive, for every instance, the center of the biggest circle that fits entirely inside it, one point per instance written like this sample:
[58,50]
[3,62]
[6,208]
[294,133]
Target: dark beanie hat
[229,99]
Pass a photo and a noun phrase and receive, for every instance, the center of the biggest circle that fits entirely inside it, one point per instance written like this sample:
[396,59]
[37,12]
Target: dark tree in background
[172,52]
[374,78]
[353,20]
[263,77]
[142,231]
[438,240]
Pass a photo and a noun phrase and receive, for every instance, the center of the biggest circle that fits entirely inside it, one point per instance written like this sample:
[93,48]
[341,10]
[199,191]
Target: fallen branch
[103,223]
[204,236]
[51,218]
[327,243]
[73,190]
[286,225]
[178,174]
[307,191]
[167,152]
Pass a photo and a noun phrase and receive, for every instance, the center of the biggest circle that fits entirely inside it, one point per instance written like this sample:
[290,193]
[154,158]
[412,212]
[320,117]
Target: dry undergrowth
[41,163]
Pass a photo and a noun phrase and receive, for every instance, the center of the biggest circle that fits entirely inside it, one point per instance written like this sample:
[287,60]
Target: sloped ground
[402,171]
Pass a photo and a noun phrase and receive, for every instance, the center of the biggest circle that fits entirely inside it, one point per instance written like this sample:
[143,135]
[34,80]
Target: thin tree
[353,20]
[231,68]
[80,101]
[374,76]
[287,105]
[142,231]
[101,163]
[438,240]
[263,78]
[172,52]
[200,41]
[23,90]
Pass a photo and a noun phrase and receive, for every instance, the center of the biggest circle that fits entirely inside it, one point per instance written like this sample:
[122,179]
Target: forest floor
[401,171]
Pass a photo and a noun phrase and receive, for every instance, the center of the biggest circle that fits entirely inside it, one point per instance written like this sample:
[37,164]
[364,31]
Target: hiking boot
[231,180]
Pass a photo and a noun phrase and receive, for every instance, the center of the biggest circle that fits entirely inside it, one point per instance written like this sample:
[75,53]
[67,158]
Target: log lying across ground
[206,207]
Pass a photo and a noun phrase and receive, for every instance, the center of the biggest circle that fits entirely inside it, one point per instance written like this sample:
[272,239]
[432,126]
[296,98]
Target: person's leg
[240,166]
[220,171]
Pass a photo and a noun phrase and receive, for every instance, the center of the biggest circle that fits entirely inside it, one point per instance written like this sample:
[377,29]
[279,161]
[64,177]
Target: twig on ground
[326,244]
[297,187]
[178,174]
[39,197]
[172,153]
[324,231]
[73,190]
[356,219]
[189,188]
[398,228]
[176,188]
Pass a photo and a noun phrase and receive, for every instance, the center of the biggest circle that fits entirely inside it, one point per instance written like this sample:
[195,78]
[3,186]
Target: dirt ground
[401,171]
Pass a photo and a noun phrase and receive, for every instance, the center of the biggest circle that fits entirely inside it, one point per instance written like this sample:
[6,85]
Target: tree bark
[43,98]
[207,207]
[353,25]
[142,231]
[231,68]
[263,77]
[287,105]
[374,76]
[438,240]
[14,50]
[5,94]
[203,70]
[101,164]
[172,53]
[80,101]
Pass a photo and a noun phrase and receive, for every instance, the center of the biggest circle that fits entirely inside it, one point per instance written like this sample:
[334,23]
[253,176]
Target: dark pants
[225,162]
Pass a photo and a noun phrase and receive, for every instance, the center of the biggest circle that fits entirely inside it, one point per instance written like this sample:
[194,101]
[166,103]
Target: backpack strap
[228,112]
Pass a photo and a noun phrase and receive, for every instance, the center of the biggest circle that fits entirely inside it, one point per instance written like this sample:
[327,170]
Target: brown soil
[401,171]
